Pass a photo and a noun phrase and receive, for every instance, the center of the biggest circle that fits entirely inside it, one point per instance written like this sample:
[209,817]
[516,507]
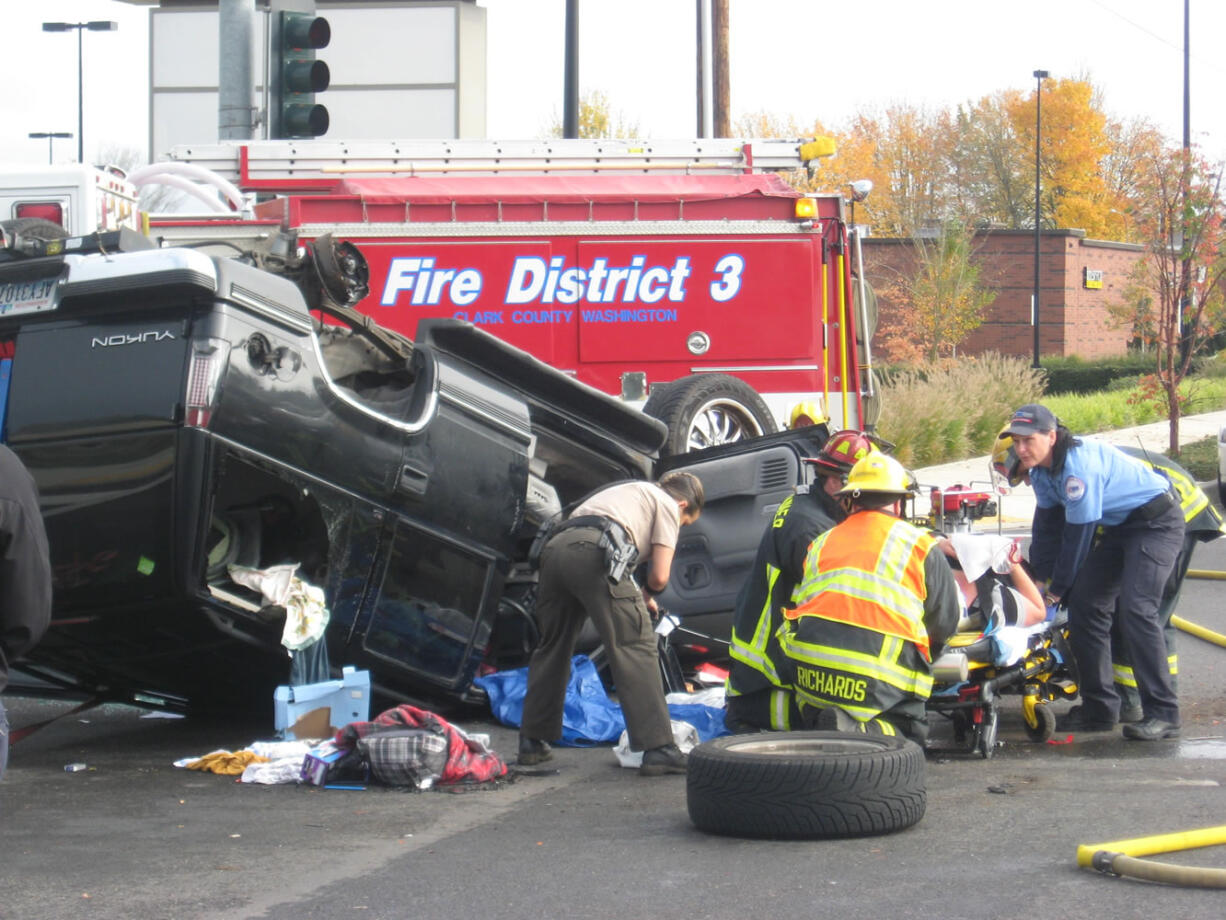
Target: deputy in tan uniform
[586,571]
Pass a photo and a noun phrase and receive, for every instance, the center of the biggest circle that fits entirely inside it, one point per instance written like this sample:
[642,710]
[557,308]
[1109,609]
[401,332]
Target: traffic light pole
[236,20]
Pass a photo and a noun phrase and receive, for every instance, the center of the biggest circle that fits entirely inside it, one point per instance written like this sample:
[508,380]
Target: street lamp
[50,136]
[97,25]
[1039,76]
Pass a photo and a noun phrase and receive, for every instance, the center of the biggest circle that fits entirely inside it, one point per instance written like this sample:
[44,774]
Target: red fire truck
[687,276]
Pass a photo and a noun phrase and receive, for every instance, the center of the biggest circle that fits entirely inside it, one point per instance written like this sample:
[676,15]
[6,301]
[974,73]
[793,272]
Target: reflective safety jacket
[1202,517]
[856,638]
[778,568]
[1204,523]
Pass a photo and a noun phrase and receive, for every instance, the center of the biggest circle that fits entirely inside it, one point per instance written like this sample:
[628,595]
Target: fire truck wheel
[792,785]
[704,410]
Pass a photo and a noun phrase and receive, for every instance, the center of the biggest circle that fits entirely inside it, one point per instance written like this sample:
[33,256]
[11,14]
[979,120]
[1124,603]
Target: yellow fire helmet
[809,412]
[1005,463]
[879,473]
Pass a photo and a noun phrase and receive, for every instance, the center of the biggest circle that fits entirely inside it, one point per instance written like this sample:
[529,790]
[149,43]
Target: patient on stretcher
[1003,606]
[996,588]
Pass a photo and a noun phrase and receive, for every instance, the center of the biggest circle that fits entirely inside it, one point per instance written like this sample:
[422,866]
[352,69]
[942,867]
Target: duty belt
[619,550]
[596,521]
[1153,508]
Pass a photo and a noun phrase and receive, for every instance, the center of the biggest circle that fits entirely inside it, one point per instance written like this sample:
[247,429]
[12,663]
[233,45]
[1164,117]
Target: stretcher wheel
[987,733]
[1045,725]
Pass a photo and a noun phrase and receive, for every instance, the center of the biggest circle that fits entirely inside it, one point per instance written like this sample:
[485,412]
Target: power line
[1137,26]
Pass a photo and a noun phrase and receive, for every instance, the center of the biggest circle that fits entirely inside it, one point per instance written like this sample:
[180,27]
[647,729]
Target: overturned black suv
[183,412]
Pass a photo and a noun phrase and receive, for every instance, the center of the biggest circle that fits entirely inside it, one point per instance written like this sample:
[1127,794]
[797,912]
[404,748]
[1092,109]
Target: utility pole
[1185,191]
[570,80]
[236,19]
[700,16]
[719,67]
[1039,76]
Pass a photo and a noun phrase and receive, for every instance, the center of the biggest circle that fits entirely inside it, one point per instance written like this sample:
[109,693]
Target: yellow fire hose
[1197,630]
[1205,573]
[1120,857]
[1194,628]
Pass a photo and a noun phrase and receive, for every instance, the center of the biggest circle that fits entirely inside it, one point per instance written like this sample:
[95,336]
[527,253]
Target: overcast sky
[809,59]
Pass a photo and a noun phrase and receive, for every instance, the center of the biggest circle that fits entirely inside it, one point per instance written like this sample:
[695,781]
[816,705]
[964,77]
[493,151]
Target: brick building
[1078,278]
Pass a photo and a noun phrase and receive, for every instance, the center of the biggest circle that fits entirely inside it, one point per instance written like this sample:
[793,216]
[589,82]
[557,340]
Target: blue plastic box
[318,710]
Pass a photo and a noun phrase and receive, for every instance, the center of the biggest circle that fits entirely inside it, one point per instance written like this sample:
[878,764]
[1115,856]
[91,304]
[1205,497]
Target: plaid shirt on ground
[407,745]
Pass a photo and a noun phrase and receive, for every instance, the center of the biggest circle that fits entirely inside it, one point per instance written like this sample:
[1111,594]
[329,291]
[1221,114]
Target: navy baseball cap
[1031,419]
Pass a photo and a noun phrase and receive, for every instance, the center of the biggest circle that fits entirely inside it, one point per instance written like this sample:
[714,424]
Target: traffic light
[297,76]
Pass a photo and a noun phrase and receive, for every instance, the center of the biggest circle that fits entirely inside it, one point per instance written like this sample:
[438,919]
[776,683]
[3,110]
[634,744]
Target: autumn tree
[1181,218]
[1131,143]
[1073,147]
[597,119]
[771,124]
[991,174]
[902,151]
[941,303]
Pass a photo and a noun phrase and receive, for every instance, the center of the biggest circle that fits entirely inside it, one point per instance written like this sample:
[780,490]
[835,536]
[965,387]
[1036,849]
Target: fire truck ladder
[251,164]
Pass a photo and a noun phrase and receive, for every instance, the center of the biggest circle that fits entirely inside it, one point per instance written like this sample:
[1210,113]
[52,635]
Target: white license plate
[33,296]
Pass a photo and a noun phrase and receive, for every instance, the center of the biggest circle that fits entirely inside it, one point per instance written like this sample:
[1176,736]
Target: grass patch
[1200,459]
[1111,409]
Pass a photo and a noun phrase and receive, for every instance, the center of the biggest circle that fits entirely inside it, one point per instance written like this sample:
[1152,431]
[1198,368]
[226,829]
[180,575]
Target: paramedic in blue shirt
[1080,485]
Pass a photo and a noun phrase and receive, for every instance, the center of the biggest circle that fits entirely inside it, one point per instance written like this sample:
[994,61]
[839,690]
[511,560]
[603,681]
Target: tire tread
[800,796]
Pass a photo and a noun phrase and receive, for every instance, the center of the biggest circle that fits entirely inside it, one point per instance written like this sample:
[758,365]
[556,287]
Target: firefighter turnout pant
[1121,661]
[773,709]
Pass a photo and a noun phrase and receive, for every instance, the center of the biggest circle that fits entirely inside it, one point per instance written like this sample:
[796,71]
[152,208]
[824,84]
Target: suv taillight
[209,358]
[47,210]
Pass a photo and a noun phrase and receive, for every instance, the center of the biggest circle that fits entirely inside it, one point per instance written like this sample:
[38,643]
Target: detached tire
[792,785]
[705,410]
[37,228]
[233,539]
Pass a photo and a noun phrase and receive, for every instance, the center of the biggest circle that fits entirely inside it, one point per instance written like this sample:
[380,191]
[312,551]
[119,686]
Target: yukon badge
[130,338]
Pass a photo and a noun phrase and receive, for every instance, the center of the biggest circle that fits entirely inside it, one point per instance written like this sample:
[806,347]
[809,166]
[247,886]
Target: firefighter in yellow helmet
[756,696]
[807,413]
[873,610]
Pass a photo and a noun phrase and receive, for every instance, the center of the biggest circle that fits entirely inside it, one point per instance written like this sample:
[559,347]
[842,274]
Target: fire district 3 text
[535,280]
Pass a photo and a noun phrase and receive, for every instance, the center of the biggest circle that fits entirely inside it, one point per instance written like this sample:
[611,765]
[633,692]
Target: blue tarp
[589,716]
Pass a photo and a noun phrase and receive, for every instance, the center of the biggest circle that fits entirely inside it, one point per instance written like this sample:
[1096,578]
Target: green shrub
[952,411]
[1125,384]
[1076,375]
[1210,366]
